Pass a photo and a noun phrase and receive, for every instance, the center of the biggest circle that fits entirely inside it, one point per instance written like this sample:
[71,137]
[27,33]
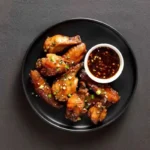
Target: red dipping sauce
[103,62]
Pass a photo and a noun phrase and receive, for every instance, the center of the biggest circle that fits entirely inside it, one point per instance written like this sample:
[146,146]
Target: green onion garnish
[49,95]
[92,96]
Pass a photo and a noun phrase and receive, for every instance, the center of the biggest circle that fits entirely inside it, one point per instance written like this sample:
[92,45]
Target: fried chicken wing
[58,43]
[75,107]
[97,113]
[43,89]
[76,103]
[52,65]
[103,90]
[66,85]
[112,95]
[76,53]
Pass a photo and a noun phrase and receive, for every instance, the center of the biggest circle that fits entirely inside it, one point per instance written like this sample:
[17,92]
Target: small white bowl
[117,74]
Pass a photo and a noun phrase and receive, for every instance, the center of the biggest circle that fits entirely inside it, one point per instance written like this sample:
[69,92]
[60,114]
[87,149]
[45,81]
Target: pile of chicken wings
[72,86]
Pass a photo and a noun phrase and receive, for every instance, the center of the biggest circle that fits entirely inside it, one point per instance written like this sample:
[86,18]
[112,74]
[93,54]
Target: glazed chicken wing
[112,95]
[43,89]
[66,85]
[104,90]
[75,107]
[58,43]
[97,113]
[76,103]
[76,53]
[52,65]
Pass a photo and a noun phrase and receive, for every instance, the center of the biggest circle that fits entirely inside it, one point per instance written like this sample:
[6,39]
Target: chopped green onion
[98,92]
[57,69]
[57,91]
[92,96]
[67,67]
[79,119]
[69,95]
[87,106]
[49,95]
[52,59]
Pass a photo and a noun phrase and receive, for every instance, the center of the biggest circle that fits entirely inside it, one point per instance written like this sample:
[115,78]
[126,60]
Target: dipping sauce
[103,62]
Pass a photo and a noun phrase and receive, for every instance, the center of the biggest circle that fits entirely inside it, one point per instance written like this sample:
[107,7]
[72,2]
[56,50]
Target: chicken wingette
[58,43]
[43,89]
[67,84]
[52,65]
[75,54]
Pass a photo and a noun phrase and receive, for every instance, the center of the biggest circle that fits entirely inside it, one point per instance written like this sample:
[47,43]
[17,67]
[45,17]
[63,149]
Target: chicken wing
[76,103]
[52,65]
[75,107]
[66,84]
[97,113]
[100,89]
[58,43]
[43,89]
[76,53]
[112,95]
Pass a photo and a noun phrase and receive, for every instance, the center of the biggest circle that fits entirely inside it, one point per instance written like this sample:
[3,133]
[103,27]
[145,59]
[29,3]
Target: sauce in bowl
[103,62]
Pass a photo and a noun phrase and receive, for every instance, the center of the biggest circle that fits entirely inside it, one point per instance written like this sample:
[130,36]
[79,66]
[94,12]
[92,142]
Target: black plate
[92,32]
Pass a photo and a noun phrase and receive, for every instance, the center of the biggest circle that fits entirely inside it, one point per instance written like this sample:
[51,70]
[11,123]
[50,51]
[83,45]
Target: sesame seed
[69,77]
[64,87]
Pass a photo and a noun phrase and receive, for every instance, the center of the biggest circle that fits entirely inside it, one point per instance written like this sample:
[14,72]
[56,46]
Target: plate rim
[76,129]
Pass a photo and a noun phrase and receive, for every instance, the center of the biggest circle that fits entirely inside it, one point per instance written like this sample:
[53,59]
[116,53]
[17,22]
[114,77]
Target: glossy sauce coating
[103,62]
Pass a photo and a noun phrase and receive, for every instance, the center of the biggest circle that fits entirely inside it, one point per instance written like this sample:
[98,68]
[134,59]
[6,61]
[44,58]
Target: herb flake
[49,95]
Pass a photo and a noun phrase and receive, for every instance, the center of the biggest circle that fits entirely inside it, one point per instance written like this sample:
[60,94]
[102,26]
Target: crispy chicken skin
[52,65]
[97,113]
[67,84]
[58,43]
[103,90]
[76,53]
[43,89]
[75,104]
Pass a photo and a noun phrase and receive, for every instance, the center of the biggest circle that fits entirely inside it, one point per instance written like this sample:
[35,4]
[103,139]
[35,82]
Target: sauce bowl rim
[116,75]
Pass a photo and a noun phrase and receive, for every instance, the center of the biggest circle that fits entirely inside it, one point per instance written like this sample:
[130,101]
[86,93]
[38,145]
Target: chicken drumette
[43,89]
[97,113]
[58,43]
[67,84]
[75,104]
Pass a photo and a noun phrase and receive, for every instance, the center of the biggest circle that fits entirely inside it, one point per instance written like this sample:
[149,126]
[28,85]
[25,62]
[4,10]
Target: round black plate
[92,32]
